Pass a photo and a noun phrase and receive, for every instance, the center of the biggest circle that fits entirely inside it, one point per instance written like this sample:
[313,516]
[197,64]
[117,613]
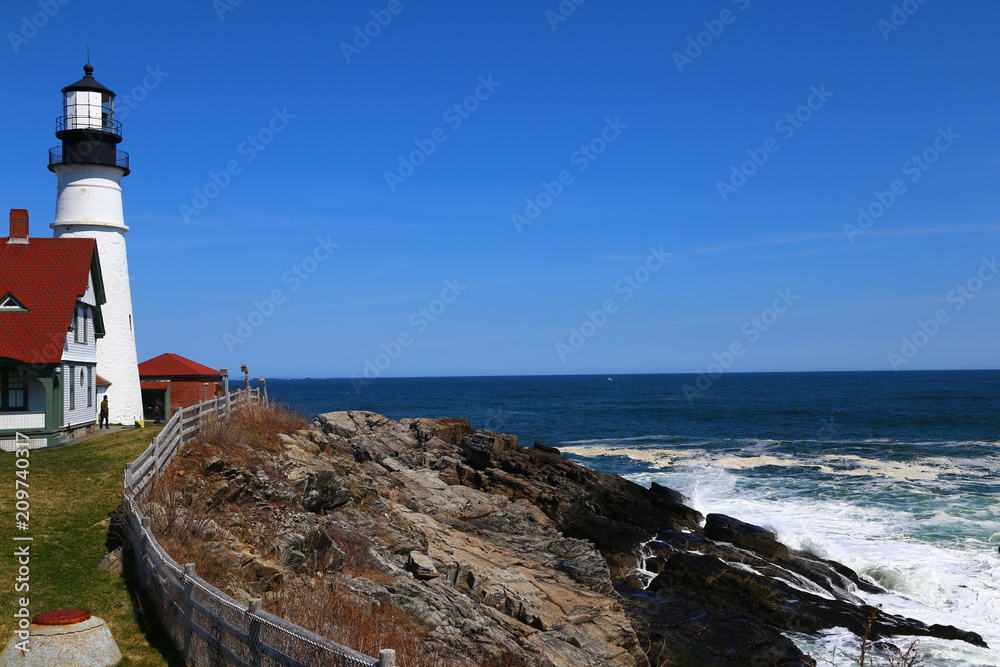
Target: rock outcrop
[513,554]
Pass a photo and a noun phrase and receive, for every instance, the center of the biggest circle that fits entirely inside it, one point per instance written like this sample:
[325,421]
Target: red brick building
[170,382]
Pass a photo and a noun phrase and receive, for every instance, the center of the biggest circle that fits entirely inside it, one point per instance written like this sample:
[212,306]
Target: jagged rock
[519,555]
[421,566]
[215,464]
[261,574]
[112,562]
[722,528]
[318,490]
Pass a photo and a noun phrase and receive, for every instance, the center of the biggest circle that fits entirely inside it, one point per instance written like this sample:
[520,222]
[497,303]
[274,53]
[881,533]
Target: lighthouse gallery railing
[208,626]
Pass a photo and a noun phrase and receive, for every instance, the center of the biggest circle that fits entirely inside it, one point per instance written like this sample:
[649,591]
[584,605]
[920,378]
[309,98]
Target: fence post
[387,658]
[187,609]
[253,630]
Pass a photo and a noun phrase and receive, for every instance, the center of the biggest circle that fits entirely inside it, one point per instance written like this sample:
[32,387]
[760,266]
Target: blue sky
[647,187]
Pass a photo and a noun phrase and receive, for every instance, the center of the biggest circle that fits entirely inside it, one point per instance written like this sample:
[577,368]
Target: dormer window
[9,304]
[79,325]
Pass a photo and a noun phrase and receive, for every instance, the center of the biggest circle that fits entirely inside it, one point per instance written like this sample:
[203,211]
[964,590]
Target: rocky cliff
[495,553]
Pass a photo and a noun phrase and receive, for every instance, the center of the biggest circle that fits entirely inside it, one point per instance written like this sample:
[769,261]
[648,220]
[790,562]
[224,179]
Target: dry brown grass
[369,627]
[247,441]
[250,430]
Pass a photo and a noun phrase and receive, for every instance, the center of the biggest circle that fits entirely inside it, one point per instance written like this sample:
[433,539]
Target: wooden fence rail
[207,626]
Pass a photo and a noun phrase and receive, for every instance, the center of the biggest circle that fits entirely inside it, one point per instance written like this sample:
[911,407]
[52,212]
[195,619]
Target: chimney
[18,225]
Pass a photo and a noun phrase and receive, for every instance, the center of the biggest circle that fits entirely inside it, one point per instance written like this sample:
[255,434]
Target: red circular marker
[61,617]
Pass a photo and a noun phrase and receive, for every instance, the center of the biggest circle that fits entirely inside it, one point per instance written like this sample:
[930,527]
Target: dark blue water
[918,406]
[894,474]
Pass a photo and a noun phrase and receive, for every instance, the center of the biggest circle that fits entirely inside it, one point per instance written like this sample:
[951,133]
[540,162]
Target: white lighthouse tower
[89,204]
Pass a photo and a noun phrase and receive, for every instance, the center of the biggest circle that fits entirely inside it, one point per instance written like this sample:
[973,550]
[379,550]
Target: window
[107,111]
[72,388]
[79,327]
[90,386]
[13,390]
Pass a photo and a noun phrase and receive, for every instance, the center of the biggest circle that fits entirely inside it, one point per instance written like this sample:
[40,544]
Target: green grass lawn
[73,489]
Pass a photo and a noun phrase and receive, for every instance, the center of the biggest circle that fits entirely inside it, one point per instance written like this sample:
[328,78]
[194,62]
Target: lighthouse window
[107,109]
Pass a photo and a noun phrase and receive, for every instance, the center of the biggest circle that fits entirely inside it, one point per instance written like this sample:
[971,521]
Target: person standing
[103,421]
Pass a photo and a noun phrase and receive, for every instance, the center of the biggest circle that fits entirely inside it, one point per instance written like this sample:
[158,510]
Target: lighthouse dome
[88,83]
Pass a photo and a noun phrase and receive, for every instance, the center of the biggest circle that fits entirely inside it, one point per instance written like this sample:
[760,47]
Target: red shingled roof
[173,365]
[154,385]
[46,276]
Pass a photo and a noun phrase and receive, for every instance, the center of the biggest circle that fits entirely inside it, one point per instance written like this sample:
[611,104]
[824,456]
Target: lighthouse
[89,168]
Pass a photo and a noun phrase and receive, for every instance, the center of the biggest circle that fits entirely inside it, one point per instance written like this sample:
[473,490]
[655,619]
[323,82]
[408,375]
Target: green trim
[53,402]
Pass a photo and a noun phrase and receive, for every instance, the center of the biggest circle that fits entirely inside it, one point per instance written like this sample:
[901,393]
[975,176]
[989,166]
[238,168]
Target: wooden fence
[208,626]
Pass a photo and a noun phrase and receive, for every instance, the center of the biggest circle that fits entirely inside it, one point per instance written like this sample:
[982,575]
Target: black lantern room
[88,129]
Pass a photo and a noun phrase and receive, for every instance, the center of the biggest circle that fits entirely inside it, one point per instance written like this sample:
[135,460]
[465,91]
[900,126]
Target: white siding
[90,298]
[86,350]
[33,443]
[21,421]
[81,412]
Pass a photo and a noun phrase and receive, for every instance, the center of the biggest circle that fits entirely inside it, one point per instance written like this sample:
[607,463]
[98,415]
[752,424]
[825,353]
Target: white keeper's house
[51,298]
[66,328]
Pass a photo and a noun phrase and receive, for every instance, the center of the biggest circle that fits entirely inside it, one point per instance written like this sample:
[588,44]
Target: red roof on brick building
[174,365]
[46,276]
[154,385]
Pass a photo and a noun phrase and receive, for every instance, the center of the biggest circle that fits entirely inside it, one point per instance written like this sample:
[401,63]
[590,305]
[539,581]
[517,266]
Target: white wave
[609,441]
[656,458]
[921,469]
[956,583]
[743,462]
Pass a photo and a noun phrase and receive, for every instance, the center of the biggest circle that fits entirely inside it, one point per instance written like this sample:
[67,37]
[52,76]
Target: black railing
[56,157]
[64,123]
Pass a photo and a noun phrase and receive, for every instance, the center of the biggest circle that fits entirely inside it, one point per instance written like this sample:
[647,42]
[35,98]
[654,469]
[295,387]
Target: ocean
[892,474]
